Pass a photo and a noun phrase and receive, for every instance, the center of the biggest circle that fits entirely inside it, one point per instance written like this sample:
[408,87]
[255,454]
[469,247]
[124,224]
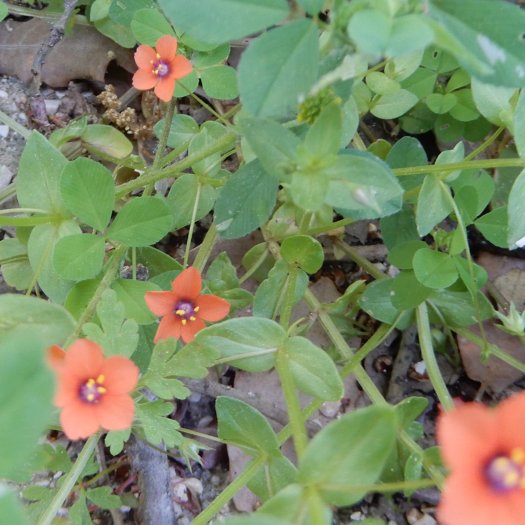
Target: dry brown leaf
[507,274]
[82,54]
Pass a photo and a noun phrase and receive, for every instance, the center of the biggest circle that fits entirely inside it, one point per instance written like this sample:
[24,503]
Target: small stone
[4,130]
[420,367]
[330,408]
[3,94]
[51,106]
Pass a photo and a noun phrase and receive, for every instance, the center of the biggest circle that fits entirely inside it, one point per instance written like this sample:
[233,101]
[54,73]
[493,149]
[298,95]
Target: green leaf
[407,292]
[106,142]
[401,254]
[433,204]
[381,84]
[39,173]
[245,201]
[269,294]
[324,137]
[141,222]
[377,301]
[278,67]
[516,224]
[116,440]
[40,249]
[131,294]
[249,343]
[399,228]
[493,226]
[313,371]
[493,102]
[394,105]
[117,335]
[405,153]
[11,510]
[275,475]
[88,191]
[4,11]
[17,273]
[519,125]
[244,426]
[26,390]
[220,82]
[183,128]
[158,429]
[148,25]
[457,308]
[351,450]
[409,33]
[488,45]
[103,497]
[182,196]
[434,269]
[79,257]
[308,189]
[211,165]
[79,513]
[274,145]
[218,21]
[362,186]
[370,30]
[304,252]
[155,261]
[312,7]
[440,103]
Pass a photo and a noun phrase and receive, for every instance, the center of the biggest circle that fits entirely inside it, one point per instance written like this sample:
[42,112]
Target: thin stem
[162,141]
[192,225]
[468,165]
[295,415]
[29,221]
[22,210]
[286,310]
[8,192]
[104,284]
[484,145]
[14,125]
[328,228]
[69,481]
[316,507]
[205,105]
[200,435]
[216,505]
[429,357]
[205,248]
[256,265]
[364,263]
[154,175]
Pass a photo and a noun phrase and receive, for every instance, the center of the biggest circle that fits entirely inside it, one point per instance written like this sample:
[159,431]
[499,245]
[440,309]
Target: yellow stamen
[180,312]
[100,379]
[90,383]
[184,321]
[101,390]
[511,478]
[90,397]
[158,56]
[518,456]
[193,318]
[197,308]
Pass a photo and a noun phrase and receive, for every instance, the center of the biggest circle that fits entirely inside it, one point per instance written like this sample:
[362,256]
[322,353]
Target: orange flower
[485,451]
[160,67]
[93,391]
[185,309]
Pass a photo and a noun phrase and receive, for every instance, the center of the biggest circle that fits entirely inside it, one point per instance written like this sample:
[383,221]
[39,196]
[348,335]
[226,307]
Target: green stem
[256,265]
[484,145]
[365,264]
[22,210]
[104,284]
[28,221]
[295,415]
[192,225]
[316,506]
[327,228]
[162,141]
[8,192]
[429,357]
[154,175]
[469,165]
[395,486]
[286,310]
[69,481]
[216,505]
[205,248]
[14,125]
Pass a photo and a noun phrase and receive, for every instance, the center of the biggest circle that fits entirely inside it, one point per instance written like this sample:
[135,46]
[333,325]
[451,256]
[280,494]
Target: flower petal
[188,284]
[120,375]
[180,66]
[83,359]
[511,427]
[470,427]
[67,389]
[115,412]
[190,329]
[144,80]
[55,357]
[145,56]
[160,303]
[165,88]
[169,326]
[79,421]
[212,308]
[166,47]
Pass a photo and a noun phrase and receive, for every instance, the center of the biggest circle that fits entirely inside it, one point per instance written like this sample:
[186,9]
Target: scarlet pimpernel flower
[160,68]
[484,449]
[184,309]
[93,391]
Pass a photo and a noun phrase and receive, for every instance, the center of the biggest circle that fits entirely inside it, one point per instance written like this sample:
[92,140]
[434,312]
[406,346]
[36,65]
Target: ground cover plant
[406,116]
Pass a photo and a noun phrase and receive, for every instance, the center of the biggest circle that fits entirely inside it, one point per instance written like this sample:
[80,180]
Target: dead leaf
[83,54]
[507,274]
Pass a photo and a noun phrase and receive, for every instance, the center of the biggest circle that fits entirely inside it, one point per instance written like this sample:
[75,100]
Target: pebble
[4,130]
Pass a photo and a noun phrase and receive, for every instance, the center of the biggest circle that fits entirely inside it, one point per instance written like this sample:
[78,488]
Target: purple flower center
[506,472]
[160,68]
[186,310]
[92,391]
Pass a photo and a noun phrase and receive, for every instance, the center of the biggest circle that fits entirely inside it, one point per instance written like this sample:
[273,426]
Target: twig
[99,452]
[54,37]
